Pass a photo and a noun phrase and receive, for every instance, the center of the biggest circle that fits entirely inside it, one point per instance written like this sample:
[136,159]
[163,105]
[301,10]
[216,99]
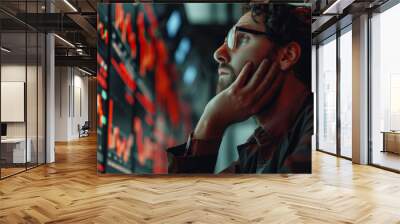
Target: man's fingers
[244,75]
[258,75]
[269,78]
[268,87]
[268,96]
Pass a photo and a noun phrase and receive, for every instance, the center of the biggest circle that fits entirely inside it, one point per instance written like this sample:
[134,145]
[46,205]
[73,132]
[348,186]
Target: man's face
[248,47]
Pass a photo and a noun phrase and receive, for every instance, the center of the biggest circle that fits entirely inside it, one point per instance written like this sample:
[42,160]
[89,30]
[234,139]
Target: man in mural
[264,72]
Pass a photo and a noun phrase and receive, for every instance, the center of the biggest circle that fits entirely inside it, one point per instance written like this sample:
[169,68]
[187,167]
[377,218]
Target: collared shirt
[262,153]
[282,143]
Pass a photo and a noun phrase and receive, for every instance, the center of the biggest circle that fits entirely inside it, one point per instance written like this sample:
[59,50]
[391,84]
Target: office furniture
[391,141]
[84,130]
[13,150]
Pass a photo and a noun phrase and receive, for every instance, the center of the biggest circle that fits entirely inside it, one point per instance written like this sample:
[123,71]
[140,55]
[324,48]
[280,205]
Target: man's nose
[221,55]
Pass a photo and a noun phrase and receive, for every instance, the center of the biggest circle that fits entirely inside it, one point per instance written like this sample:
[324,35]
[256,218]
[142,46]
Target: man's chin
[224,81]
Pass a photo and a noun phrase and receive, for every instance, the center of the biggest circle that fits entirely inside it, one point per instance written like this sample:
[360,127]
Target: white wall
[80,100]
[61,103]
[13,72]
[71,94]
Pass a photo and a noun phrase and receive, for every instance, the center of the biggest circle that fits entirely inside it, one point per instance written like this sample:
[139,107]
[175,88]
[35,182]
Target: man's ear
[289,55]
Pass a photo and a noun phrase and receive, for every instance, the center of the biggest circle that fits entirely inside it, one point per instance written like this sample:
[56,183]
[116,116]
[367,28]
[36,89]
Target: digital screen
[138,118]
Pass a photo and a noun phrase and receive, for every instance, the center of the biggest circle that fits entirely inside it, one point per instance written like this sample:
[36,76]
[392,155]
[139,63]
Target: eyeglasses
[231,38]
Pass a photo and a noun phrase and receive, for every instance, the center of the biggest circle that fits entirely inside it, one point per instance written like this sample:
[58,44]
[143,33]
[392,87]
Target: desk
[16,147]
[391,141]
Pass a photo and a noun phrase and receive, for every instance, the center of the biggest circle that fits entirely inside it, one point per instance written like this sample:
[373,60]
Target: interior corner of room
[36,109]
[48,117]
[72,108]
[356,80]
[22,102]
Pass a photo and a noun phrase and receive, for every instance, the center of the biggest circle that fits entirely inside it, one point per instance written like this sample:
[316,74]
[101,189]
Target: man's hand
[247,95]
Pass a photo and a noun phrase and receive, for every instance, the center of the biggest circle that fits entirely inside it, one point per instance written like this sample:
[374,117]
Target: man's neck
[280,115]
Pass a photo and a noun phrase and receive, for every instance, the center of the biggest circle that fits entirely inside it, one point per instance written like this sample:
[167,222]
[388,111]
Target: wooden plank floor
[70,191]
[10,171]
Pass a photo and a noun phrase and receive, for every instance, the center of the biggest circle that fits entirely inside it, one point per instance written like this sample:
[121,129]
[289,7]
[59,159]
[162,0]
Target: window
[385,88]
[22,75]
[327,96]
[346,93]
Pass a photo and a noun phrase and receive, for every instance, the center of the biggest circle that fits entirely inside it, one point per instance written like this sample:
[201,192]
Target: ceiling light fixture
[65,41]
[329,9]
[70,5]
[5,50]
[337,7]
[84,71]
[79,51]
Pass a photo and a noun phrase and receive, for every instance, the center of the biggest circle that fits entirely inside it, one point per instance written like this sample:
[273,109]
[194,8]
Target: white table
[18,145]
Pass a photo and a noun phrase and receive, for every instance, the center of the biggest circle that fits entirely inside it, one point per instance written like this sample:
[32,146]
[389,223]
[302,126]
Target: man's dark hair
[285,23]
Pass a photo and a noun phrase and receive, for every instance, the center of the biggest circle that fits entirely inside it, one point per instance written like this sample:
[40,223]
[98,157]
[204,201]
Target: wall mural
[167,95]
